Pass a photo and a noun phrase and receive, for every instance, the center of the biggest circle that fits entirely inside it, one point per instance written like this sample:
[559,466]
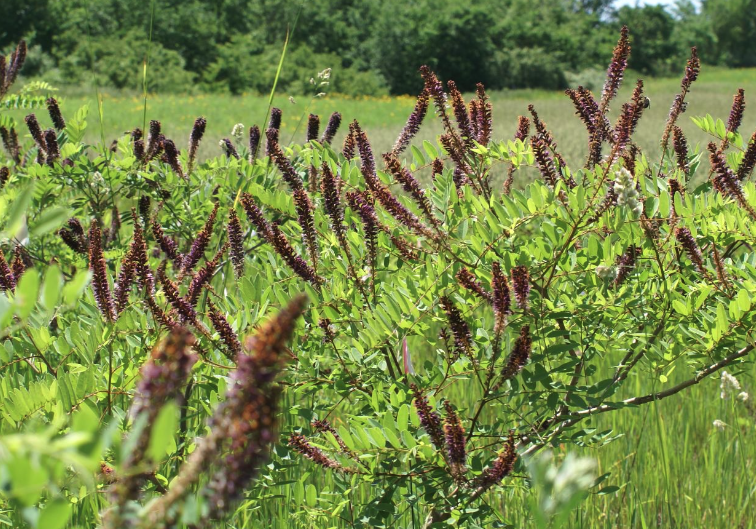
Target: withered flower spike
[97,266]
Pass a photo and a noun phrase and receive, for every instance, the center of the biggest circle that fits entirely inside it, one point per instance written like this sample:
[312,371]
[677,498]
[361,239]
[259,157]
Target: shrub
[131,276]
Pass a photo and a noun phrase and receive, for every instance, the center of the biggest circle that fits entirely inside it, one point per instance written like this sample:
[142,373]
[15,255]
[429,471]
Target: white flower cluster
[729,385]
[606,273]
[238,131]
[627,195]
[719,425]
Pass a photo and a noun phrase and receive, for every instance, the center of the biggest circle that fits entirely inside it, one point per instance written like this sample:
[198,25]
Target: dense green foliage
[372,46]
[417,297]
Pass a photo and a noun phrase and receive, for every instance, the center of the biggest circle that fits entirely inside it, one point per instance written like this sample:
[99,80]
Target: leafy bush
[130,275]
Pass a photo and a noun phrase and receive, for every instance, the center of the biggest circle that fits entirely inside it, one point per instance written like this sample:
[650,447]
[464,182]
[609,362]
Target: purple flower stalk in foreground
[228,148]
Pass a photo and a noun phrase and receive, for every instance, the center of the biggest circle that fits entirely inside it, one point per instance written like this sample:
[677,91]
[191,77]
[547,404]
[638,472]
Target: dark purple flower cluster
[204,275]
[55,115]
[502,300]
[97,266]
[313,127]
[306,219]
[502,466]
[749,159]
[736,112]
[7,278]
[686,240]
[36,132]
[154,141]
[254,142]
[725,181]
[229,149]
[332,127]
[288,172]
[185,310]
[299,443]
[167,244]
[172,157]
[679,105]
[519,355]
[468,280]
[680,145]
[521,285]
[73,235]
[411,185]
[429,419]
[273,130]
[51,146]
[459,328]
[454,435]
[461,115]
[616,69]
[414,121]
[200,243]
[224,330]
[236,246]
[198,131]
[10,142]
[481,115]
[350,142]
[10,66]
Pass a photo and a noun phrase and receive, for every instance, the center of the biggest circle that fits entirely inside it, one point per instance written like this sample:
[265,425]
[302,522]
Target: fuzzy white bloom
[627,195]
[325,74]
[238,131]
[742,396]
[222,144]
[719,425]
[292,101]
[729,385]
[607,273]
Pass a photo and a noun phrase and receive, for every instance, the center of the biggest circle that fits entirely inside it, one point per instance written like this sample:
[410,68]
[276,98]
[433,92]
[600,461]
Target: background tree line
[374,47]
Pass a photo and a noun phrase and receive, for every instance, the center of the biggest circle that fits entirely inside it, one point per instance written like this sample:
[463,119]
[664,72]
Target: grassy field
[673,467]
